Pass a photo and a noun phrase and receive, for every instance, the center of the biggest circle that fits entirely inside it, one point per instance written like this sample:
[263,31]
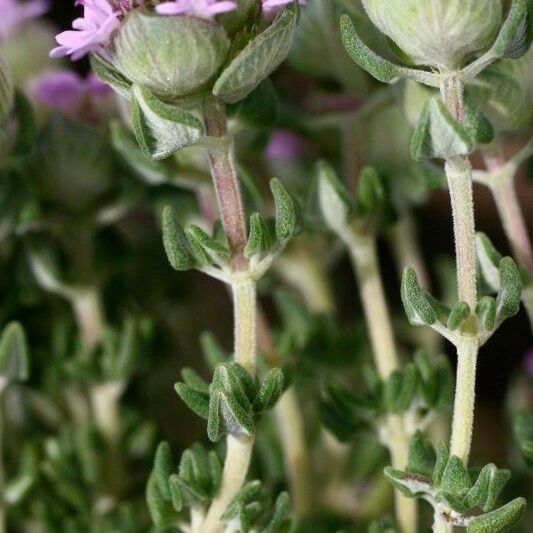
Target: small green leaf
[486,312]
[416,304]
[163,467]
[475,124]
[286,211]
[176,496]
[376,66]
[177,247]
[210,247]
[442,457]
[258,59]
[161,128]
[437,134]
[161,510]
[196,401]
[460,311]
[270,391]
[503,518]
[421,456]
[260,238]
[193,380]
[508,301]
[455,478]
[110,75]
[14,359]
[523,432]
[335,202]
[280,518]
[512,41]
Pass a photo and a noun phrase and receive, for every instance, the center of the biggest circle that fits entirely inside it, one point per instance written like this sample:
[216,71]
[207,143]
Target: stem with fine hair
[220,146]
[363,252]
[459,177]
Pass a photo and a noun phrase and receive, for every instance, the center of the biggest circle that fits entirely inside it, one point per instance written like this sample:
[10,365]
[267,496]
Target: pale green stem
[364,256]
[220,146]
[89,316]
[295,456]
[503,189]
[440,524]
[465,395]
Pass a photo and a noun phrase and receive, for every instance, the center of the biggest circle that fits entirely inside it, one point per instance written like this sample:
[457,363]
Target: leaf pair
[233,399]
[423,309]
[197,482]
[420,384]
[250,509]
[439,135]
[444,481]
[371,209]
[269,237]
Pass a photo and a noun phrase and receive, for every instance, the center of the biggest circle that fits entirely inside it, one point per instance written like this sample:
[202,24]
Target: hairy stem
[221,150]
[440,523]
[459,176]
[220,146]
[465,394]
[366,265]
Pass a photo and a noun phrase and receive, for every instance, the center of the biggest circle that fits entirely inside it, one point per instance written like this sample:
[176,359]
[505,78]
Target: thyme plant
[256,147]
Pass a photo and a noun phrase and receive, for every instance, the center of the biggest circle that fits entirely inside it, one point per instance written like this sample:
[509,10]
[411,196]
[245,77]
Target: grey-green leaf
[258,59]
[177,247]
[161,128]
[14,359]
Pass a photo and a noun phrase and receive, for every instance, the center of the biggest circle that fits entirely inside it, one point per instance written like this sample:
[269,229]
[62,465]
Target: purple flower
[65,90]
[93,31]
[271,7]
[284,146]
[206,9]
[14,14]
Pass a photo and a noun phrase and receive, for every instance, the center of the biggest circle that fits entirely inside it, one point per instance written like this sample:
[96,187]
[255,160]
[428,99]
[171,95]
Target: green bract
[172,56]
[6,92]
[437,33]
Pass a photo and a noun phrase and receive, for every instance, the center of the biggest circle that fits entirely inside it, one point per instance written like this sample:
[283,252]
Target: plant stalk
[364,257]
[220,147]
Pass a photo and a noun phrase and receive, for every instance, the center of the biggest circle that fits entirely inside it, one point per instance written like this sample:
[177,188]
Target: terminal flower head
[206,9]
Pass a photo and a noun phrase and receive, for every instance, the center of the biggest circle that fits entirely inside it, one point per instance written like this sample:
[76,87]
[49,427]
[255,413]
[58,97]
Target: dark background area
[499,361]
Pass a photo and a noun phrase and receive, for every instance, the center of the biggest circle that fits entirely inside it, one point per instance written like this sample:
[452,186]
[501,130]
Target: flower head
[15,14]
[93,31]
[65,90]
[206,9]
[284,146]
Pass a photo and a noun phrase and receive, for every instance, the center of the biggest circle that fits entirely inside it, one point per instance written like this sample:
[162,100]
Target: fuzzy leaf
[161,510]
[193,380]
[512,41]
[368,60]
[508,301]
[437,134]
[211,247]
[286,211]
[270,391]
[177,247]
[460,311]
[503,518]
[14,359]
[196,401]
[455,478]
[110,75]
[486,312]
[280,518]
[475,124]
[523,431]
[260,238]
[161,128]
[335,202]
[421,456]
[163,466]
[416,304]
[489,261]
[258,59]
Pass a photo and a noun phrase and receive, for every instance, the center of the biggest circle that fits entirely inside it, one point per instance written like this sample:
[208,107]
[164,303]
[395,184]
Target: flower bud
[6,92]
[173,56]
[437,33]
[73,167]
